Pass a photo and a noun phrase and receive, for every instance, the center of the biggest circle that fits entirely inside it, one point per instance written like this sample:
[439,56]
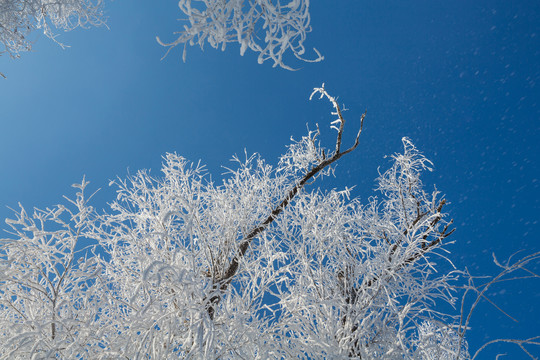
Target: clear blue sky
[460,78]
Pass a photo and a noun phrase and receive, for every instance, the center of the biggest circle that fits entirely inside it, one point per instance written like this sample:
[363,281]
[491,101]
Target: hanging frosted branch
[19,18]
[267,27]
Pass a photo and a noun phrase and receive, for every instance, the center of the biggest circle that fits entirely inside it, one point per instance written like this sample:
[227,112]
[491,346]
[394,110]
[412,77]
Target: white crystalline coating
[302,290]
[437,342]
[326,277]
[283,28]
[18,18]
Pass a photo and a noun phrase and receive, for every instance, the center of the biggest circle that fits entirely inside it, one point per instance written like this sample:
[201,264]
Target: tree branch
[222,283]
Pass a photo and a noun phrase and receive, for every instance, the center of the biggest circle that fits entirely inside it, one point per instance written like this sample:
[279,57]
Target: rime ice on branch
[267,27]
[261,266]
[18,18]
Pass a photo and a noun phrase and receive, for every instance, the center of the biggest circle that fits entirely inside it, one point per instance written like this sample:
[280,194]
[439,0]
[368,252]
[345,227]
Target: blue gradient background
[460,78]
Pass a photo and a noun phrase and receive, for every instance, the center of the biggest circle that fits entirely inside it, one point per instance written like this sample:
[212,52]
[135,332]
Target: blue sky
[460,78]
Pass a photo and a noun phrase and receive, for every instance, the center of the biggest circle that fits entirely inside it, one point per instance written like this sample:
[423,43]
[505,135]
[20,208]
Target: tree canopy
[269,262]
[263,265]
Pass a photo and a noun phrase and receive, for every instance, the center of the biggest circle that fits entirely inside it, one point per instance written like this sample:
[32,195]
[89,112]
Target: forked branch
[534,341]
[222,283]
[506,274]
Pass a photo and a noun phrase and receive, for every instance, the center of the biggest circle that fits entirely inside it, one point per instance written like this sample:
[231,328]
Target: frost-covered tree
[262,265]
[270,28]
[18,18]
[50,292]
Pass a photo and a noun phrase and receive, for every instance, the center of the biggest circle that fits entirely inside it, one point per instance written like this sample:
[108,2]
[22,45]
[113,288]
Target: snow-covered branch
[267,27]
[19,18]
[257,266]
